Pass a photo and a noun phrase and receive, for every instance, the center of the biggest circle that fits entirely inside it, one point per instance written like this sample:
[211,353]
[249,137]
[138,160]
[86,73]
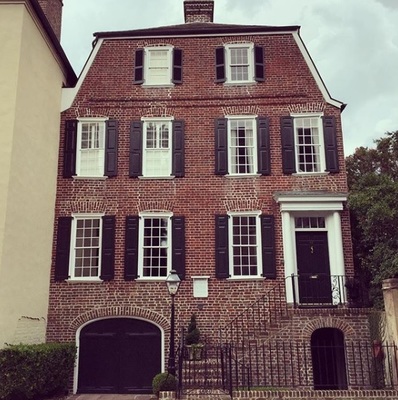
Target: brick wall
[108,90]
[53,11]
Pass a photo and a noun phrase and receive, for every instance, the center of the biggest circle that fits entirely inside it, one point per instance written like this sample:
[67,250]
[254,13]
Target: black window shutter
[131,248]
[178,240]
[220,64]
[178,164]
[70,147]
[139,67]
[264,151]
[288,153]
[111,139]
[135,167]
[259,73]
[268,246]
[63,248]
[221,146]
[177,66]
[329,133]
[222,253]
[108,248]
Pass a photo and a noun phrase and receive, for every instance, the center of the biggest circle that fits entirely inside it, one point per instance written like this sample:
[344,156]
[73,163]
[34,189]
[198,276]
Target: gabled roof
[197,28]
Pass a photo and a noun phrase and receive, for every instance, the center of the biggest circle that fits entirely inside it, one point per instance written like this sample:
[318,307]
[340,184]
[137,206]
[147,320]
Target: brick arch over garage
[107,312]
[328,322]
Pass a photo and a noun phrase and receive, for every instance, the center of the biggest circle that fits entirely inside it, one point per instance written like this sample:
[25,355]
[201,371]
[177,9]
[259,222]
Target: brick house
[212,149]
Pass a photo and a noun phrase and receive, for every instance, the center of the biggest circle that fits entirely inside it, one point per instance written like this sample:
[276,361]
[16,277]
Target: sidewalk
[111,397]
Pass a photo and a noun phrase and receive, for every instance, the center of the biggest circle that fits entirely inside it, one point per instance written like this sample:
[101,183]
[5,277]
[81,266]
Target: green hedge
[30,372]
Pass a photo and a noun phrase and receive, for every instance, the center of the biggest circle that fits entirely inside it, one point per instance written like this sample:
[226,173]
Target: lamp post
[173,283]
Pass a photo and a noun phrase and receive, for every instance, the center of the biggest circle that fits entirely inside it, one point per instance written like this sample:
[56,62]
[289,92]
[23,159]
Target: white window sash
[158,65]
[256,246]
[246,65]
[142,248]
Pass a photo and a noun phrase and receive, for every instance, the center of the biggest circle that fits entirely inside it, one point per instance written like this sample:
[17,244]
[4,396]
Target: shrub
[30,372]
[193,334]
[163,382]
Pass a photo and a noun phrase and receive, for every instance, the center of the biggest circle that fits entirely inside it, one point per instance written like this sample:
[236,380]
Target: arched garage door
[118,355]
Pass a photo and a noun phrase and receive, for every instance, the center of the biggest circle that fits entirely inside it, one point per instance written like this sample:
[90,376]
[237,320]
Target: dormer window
[239,63]
[158,66]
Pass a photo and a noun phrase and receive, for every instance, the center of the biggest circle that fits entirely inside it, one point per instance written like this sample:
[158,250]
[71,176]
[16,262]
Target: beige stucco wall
[29,138]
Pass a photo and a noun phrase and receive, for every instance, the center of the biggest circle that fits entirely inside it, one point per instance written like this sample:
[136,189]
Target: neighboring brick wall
[53,11]
[108,90]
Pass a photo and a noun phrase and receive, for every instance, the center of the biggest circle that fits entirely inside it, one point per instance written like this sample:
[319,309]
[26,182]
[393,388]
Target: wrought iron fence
[281,364]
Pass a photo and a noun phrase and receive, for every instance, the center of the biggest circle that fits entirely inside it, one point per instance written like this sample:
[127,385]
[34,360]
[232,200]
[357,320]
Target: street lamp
[173,283]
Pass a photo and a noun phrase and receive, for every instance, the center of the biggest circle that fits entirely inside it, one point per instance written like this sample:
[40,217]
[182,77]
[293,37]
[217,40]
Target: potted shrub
[164,382]
[192,340]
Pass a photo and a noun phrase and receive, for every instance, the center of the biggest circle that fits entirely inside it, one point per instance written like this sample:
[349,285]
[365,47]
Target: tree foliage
[372,175]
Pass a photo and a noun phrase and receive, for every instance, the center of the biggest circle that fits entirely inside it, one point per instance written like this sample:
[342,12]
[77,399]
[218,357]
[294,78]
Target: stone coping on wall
[292,395]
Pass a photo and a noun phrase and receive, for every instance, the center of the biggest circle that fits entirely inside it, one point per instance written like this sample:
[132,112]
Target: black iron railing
[325,290]
[287,365]
[258,318]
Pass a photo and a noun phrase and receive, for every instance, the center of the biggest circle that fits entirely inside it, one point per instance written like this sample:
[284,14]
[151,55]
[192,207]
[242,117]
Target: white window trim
[228,48]
[167,174]
[82,120]
[259,246]
[169,82]
[322,161]
[72,277]
[255,145]
[142,215]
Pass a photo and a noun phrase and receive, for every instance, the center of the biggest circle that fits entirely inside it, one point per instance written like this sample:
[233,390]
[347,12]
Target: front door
[314,284]
[119,355]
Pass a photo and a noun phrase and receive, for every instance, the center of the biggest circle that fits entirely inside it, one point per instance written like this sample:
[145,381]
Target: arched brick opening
[328,322]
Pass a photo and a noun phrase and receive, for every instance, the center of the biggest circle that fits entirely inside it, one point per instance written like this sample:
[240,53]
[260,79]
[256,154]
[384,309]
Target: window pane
[155,246]
[308,144]
[244,245]
[91,146]
[242,142]
[87,247]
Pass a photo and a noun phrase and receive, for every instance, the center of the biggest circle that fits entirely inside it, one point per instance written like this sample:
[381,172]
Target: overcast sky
[354,44]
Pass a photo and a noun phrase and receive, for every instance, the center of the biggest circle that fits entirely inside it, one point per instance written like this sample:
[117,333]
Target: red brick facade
[53,11]
[108,91]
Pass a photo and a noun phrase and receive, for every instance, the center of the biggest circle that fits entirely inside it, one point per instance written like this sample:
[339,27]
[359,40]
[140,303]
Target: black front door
[314,284]
[119,355]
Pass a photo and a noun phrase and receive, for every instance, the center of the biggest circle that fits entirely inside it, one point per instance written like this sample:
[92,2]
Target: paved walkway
[112,397]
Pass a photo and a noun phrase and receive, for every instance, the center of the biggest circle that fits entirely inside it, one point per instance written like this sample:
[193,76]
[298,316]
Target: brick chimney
[53,11]
[198,10]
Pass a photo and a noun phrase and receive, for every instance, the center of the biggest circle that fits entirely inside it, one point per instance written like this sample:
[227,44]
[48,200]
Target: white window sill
[310,173]
[242,175]
[158,86]
[246,278]
[162,279]
[84,280]
[156,177]
[98,178]
[243,83]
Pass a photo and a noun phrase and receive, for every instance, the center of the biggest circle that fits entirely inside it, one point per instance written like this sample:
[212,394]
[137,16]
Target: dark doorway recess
[119,355]
[313,268]
[328,359]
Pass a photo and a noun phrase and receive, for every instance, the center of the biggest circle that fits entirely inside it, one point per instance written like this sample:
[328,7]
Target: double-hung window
[245,245]
[155,244]
[309,144]
[90,148]
[85,247]
[157,148]
[242,146]
[157,155]
[240,63]
[158,66]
